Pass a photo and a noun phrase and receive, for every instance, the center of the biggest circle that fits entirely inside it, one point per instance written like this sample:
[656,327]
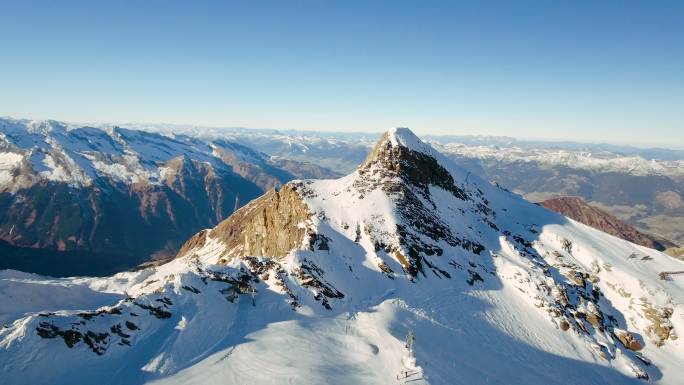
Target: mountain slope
[103,200]
[580,211]
[321,281]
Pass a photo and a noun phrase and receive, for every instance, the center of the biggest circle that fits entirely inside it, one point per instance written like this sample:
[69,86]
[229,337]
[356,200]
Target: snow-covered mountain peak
[489,283]
[404,137]
[409,221]
[399,149]
[401,161]
[44,127]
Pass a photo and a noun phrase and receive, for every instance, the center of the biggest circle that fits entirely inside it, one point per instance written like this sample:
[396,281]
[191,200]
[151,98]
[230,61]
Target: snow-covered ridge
[402,136]
[54,151]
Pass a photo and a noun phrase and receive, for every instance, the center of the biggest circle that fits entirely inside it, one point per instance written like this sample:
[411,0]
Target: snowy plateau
[321,282]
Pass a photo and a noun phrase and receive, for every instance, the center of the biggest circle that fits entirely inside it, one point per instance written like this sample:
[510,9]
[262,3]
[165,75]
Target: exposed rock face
[660,328]
[627,339]
[577,209]
[413,167]
[272,226]
[265,231]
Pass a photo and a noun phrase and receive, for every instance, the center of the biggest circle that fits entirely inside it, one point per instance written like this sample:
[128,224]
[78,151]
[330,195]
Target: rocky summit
[408,270]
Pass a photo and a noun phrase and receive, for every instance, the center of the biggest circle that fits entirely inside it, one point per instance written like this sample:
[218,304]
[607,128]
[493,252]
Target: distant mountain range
[85,200]
[293,142]
[650,198]
[132,181]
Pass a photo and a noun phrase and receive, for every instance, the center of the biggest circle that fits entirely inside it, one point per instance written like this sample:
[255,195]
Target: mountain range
[644,187]
[410,269]
[94,201]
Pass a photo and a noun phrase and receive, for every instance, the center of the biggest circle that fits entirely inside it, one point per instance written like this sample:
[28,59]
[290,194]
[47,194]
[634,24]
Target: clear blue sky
[587,70]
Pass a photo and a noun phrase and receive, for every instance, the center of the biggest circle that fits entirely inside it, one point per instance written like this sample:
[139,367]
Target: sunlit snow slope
[321,281]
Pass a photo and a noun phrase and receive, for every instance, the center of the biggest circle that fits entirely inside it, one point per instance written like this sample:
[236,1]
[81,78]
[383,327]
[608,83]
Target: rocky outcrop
[580,211]
[413,167]
[627,339]
[270,226]
[660,328]
[262,233]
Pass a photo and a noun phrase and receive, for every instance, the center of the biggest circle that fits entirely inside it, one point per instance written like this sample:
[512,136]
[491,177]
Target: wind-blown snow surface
[499,281]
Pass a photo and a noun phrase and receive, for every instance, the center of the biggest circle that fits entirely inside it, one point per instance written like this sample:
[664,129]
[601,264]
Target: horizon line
[332,132]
